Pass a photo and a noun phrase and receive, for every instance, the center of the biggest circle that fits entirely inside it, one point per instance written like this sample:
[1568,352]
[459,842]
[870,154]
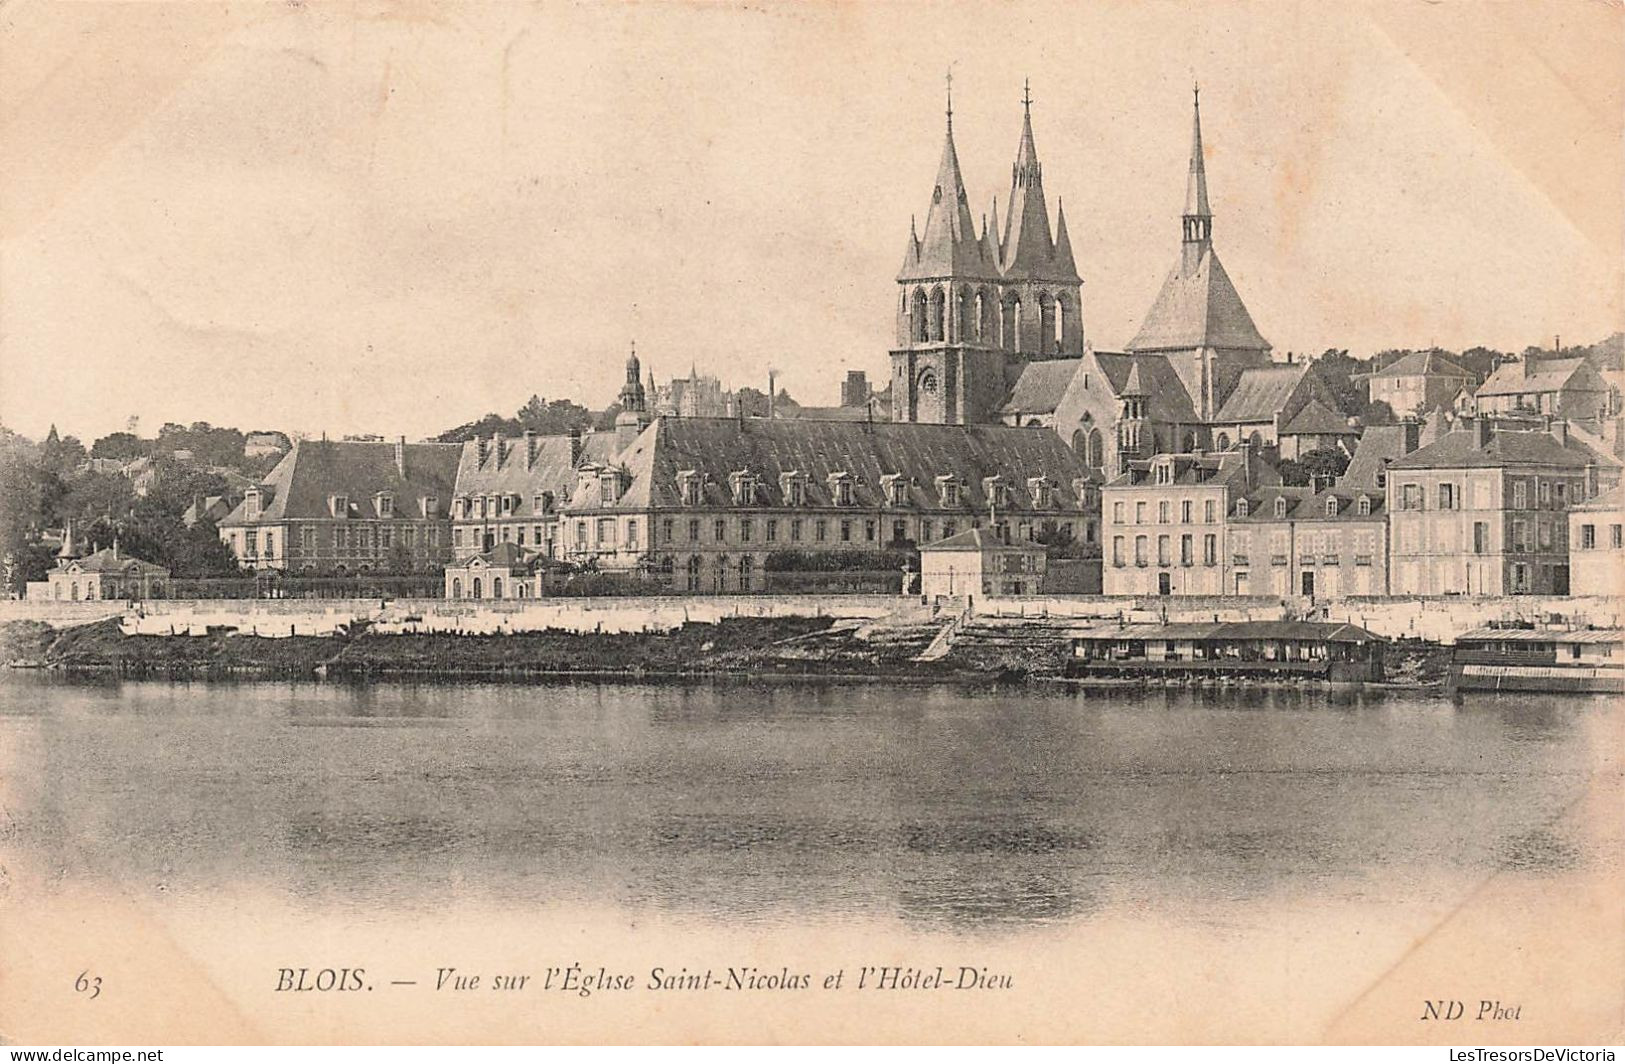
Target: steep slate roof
[1546,375]
[1612,499]
[1459,450]
[1198,307]
[977,539]
[1260,392]
[718,447]
[1379,447]
[107,560]
[1306,504]
[1317,419]
[1423,364]
[949,246]
[299,485]
[1039,388]
[1223,468]
[1167,399]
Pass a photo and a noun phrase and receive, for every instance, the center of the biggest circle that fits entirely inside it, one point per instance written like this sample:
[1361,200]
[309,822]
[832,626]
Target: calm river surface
[946,807]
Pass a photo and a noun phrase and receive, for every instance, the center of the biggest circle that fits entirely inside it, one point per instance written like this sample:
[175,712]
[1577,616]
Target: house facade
[1163,522]
[1597,544]
[1419,382]
[1326,544]
[1481,512]
[1556,387]
[348,506]
[978,562]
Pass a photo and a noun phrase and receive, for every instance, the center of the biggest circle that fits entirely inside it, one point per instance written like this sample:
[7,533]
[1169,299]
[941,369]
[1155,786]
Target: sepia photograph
[913,523]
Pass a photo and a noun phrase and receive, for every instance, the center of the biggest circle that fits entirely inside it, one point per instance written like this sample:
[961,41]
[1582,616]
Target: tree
[1325,462]
[118,445]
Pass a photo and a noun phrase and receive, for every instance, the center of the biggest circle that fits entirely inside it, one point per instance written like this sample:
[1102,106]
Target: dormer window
[895,489]
[251,504]
[793,486]
[610,486]
[688,486]
[1165,472]
[742,484]
[384,504]
[997,492]
[430,505]
[1280,506]
[1362,506]
[1382,474]
[338,505]
[840,488]
[949,491]
[1042,491]
[1331,506]
[543,503]
[1241,508]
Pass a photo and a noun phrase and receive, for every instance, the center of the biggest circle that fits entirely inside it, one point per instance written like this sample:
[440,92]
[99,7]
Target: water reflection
[942,806]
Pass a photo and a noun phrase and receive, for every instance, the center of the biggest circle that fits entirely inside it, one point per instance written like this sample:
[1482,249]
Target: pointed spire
[1198,218]
[948,246]
[1063,242]
[1027,248]
[68,550]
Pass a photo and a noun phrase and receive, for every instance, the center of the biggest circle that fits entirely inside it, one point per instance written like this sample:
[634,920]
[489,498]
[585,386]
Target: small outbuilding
[979,562]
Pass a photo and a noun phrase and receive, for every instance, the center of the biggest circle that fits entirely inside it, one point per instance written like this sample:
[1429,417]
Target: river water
[938,806]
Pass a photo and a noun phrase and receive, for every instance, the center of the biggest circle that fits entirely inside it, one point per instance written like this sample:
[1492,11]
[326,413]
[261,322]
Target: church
[990,331]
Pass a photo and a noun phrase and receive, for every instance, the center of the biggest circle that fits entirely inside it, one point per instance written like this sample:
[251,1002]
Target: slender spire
[950,101]
[1198,218]
[947,247]
[1026,246]
[1063,242]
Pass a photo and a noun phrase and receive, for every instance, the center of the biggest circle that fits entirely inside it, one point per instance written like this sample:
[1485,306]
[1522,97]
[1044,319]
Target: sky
[395,218]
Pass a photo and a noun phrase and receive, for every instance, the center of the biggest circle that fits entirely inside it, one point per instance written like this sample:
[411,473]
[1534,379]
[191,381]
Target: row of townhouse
[1476,512]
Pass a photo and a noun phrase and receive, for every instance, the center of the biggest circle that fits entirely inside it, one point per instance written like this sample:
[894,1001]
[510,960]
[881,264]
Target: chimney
[115,546]
[575,446]
[530,448]
[1483,431]
[400,456]
[483,446]
[771,392]
[1410,436]
[496,445]
[1559,430]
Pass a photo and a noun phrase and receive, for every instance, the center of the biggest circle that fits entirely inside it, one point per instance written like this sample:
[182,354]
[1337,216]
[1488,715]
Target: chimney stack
[1483,431]
[482,447]
[1559,429]
[575,446]
[496,445]
[400,456]
[530,448]
[771,392]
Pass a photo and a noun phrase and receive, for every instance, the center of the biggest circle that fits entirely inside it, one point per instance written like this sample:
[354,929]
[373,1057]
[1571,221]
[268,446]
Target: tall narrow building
[947,367]
[1198,320]
[1041,306]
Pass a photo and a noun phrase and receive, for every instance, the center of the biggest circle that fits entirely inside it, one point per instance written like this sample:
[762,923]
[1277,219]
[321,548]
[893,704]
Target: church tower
[1198,320]
[947,367]
[634,402]
[1041,302]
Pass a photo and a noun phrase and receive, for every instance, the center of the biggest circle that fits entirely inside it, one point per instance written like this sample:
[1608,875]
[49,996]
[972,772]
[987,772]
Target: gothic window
[1223,442]
[917,323]
[1060,324]
[1046,322]
[928,382]
[1080,446]
[1096,458]
[981,315]
[934,317]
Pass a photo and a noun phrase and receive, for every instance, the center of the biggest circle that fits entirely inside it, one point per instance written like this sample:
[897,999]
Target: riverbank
[813,647]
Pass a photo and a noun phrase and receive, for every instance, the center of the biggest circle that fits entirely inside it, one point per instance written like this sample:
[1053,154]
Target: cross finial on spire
[1196,91]
[950,98]
[1026,95]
